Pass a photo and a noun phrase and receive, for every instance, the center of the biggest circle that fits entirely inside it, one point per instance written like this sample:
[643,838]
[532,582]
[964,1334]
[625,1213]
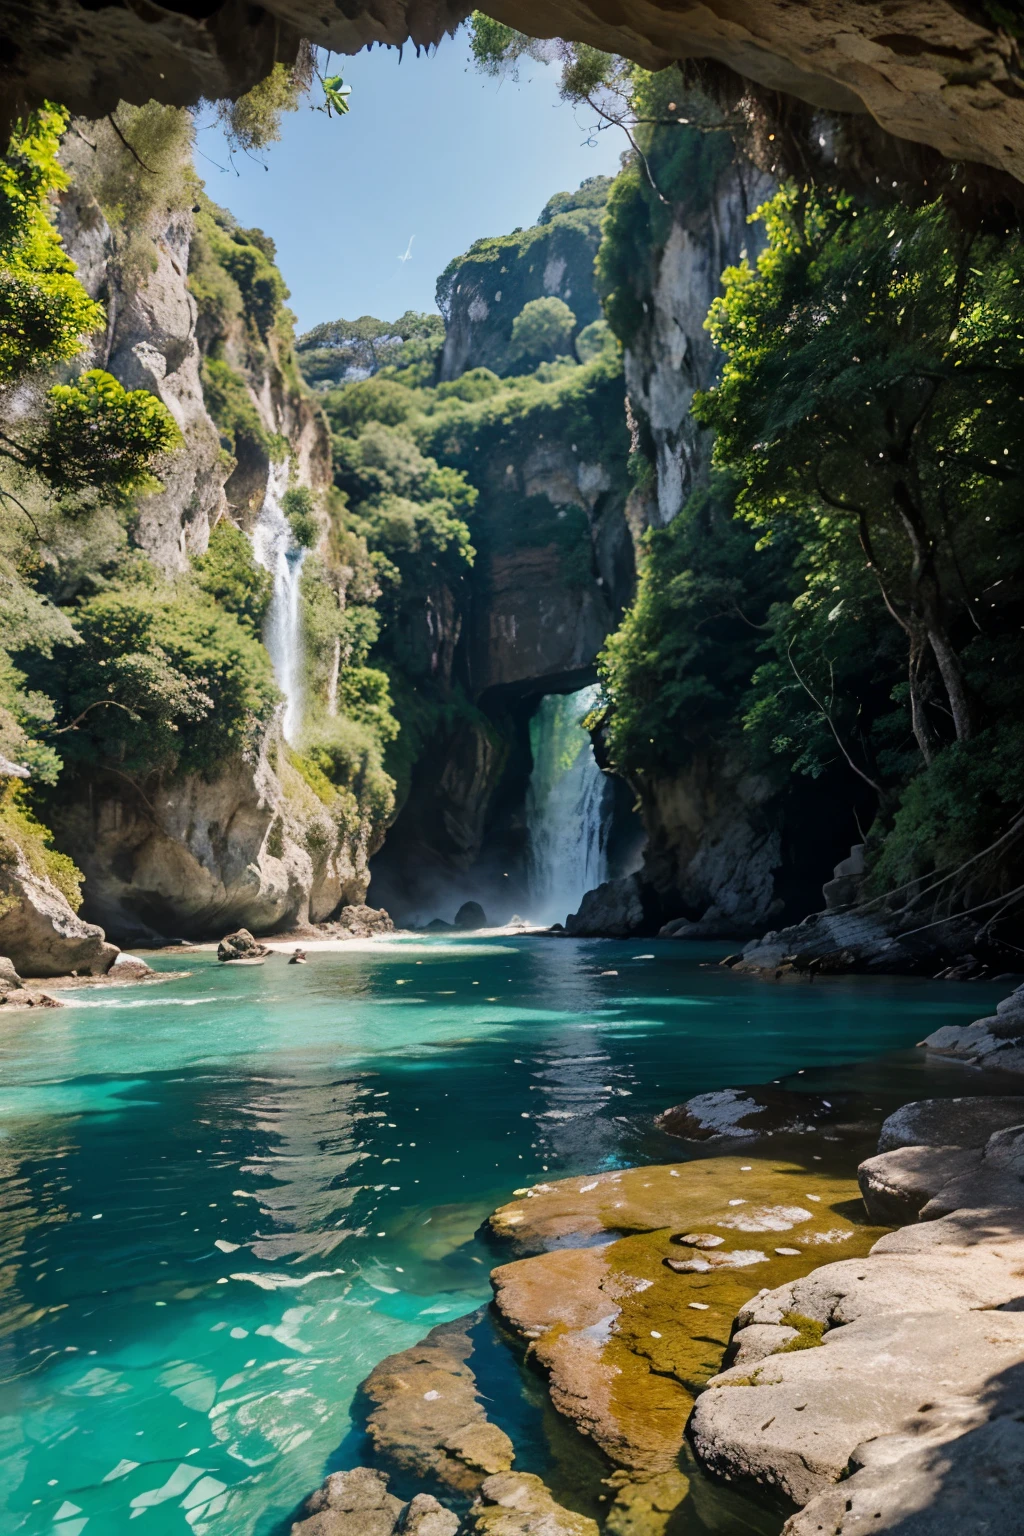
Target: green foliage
[232,273]
[679,667]
[254,120]
[99,434]
[871,385]
[300,510]
[347,755]
[22,833]
[494,46]
[229,402]
[45,313]
[685,164]
[341,350]
[591,193]
[542,331]
[336,94]
[139,173]
[229,573]
[163,679]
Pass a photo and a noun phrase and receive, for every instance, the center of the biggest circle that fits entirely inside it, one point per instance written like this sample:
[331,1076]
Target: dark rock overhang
[934,72]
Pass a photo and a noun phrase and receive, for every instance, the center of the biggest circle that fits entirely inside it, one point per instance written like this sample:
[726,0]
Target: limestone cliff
[258,840]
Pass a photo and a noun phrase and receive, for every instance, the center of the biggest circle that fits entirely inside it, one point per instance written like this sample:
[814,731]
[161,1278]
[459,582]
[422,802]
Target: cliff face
[671,356]
[481,293]
[252,842]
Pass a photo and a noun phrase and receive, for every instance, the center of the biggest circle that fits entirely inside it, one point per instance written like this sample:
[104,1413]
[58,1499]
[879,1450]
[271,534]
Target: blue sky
[431,151]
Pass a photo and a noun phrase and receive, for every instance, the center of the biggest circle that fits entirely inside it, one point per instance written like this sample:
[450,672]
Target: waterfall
[276,550]
[567,808]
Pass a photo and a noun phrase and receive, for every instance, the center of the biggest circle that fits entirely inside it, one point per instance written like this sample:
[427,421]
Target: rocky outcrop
[897,1373]
[149,343]
[253,847]
[998,1041]
[930,71]
[480,294]
[427,1417]
[672,355]
[519,1504]
[624,1309]
[614,910]
[240,946]
[39,930]
[358,1503]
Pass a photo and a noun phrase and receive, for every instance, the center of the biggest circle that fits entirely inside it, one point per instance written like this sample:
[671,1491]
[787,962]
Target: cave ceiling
[929,71]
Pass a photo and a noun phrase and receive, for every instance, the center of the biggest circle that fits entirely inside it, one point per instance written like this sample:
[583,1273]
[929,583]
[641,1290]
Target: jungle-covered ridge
[841,598]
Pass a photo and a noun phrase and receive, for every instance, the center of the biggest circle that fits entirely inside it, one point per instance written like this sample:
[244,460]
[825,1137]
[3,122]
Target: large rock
[615,910]
[427,1417]
[251,847]
[898,1185]
[519,1504]
[946,77]
[363,922]
[471,915]
[39,932]
[794,1422]
[240,946]
[964,1122]
[746,1113]
[954,1468]
[355,1503]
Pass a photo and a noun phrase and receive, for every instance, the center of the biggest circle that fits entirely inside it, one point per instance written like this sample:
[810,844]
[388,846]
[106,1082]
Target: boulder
[794,1421]
[427,1416]
[426,1516]
[471,915]
[966,1122]
[24,997]
[362,922]
[742,1113]
[615,910]
[520,1504]
[10,981]
[952,1469]
[897,1185]
[355,1503]
[129,968]
[39,931]
[240,946]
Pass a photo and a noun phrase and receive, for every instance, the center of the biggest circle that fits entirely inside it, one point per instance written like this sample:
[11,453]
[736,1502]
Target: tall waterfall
[277,552]
[567,808]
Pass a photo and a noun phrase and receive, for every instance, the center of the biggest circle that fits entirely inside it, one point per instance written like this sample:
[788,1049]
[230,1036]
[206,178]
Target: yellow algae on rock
[615,1329]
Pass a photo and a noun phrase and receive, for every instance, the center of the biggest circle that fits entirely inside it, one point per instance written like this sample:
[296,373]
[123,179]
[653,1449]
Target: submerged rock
[520,1504]
[623,1339]
[427,1417]
[471,915]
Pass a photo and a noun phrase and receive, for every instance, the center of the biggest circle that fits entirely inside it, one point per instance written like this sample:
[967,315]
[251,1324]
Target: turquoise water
[225,1197]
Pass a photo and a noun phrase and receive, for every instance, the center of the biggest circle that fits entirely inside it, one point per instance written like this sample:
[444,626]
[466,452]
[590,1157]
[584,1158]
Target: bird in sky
[408,250]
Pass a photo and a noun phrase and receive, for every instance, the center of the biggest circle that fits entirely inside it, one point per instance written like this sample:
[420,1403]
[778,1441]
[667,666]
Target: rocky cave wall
[935,72]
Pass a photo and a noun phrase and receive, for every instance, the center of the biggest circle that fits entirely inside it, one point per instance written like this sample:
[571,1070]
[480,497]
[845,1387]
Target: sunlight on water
[216,1218]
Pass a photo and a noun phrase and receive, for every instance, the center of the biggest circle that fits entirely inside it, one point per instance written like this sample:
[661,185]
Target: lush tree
[45,313]
[99,434]
[873,380]
[299,508]
[229,573]
[542,331]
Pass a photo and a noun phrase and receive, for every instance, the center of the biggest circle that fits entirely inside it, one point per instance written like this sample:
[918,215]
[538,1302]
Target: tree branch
[831,725]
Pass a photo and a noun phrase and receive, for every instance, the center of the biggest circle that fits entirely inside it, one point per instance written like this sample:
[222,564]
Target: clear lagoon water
[225,1197]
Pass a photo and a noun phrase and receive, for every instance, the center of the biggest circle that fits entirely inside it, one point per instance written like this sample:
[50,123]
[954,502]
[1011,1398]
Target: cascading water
[568,807]
[276,550]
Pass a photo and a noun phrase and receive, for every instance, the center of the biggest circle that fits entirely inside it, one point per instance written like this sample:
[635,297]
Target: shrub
[230,574]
